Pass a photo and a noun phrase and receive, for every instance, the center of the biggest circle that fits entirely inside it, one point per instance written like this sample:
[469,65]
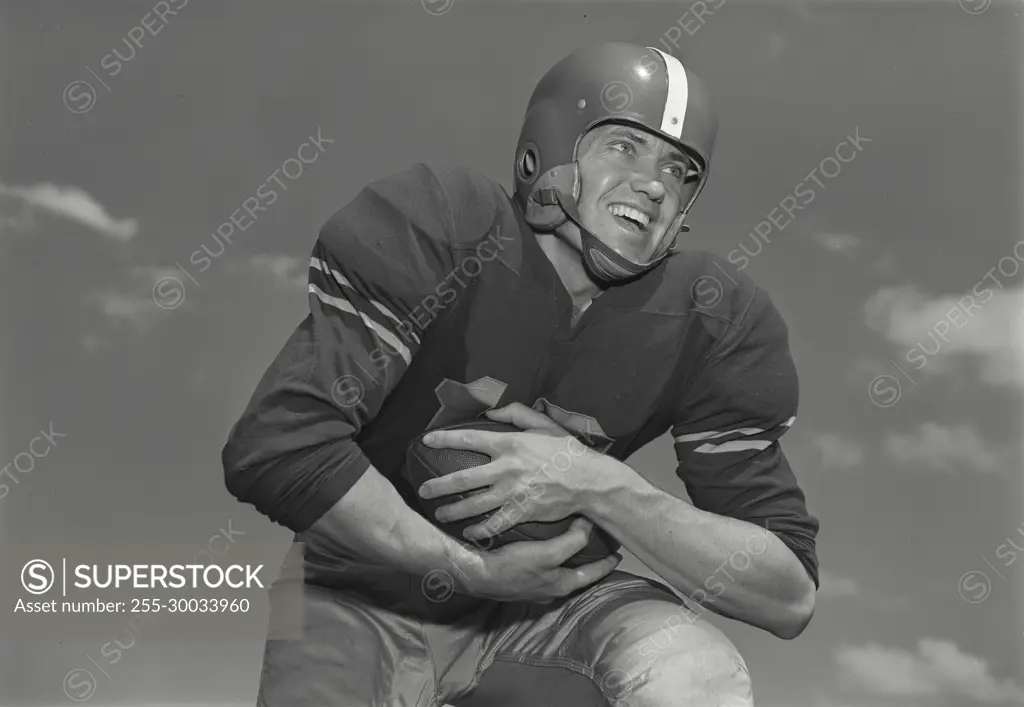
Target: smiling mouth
[633,219]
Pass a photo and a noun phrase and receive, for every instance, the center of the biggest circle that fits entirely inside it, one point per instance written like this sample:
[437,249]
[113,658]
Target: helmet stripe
[674,115]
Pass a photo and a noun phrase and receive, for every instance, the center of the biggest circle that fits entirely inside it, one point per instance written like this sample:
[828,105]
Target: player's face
[632,186]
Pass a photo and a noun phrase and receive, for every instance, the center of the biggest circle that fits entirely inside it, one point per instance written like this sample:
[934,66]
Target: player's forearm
[374,523]
[732,567]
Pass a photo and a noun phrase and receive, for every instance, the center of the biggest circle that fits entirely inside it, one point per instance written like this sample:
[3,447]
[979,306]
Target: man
[565,311]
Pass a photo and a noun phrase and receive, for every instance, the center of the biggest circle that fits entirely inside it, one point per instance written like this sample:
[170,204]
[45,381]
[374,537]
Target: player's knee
[712,675]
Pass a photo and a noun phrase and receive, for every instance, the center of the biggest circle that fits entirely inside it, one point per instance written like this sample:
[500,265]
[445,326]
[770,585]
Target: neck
[568,263]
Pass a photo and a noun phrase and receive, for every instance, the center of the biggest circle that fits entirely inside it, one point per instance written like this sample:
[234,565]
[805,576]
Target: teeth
[630,213]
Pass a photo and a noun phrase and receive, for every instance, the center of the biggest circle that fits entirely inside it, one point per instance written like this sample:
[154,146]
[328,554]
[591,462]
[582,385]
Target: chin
[636,248]
[638,253]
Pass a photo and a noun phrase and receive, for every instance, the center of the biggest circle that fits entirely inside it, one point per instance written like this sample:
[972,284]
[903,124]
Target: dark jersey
[432,302]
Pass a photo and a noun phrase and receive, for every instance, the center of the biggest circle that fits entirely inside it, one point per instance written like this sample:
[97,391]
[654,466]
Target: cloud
[835,586]
[944,448]
[837,452]
[988,327]
[15,214]
[128,307]
[937,667]
[152,291]
[841,243]
[287,271]
[874,594]
[75,204]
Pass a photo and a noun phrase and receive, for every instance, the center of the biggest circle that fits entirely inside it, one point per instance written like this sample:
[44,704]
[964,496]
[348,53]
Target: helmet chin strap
[602,262]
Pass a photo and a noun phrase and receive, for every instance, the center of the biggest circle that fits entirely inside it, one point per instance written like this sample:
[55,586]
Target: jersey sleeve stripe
[714,434]
[320,265]
[742,432]
[387,313]
[343,305]
[739,445]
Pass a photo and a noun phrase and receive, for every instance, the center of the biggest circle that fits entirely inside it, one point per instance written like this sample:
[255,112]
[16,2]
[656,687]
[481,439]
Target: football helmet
[607,83]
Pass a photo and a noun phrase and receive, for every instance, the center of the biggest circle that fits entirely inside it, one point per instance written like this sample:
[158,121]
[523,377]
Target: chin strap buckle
[547,196]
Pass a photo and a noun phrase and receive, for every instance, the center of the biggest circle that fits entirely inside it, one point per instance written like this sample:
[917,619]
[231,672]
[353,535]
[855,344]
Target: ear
[543,209]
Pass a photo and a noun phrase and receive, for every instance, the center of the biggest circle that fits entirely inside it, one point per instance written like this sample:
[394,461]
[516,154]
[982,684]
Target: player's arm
[373,522]
[746,547]
[374,274]
[292,454]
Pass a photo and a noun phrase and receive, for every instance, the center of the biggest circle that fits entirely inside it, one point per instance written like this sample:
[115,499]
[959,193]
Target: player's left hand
[534,475]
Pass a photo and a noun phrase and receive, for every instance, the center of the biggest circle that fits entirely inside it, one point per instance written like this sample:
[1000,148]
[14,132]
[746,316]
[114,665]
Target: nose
[647,181]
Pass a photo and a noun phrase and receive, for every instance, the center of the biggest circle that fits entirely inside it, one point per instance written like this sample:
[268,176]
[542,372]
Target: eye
[630,149]
[685,173]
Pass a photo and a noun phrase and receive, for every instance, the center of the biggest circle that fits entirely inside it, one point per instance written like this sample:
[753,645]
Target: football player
[567,310]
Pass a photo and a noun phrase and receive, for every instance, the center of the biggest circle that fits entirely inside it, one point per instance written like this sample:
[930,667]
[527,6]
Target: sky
[899,279]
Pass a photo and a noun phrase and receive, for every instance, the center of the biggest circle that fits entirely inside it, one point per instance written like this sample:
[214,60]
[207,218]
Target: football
[424,463]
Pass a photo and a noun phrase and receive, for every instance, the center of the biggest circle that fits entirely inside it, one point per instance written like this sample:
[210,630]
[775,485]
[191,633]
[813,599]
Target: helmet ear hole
[526,165]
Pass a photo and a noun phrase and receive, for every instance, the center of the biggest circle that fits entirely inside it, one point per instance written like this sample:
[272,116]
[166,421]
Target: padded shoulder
[475,202]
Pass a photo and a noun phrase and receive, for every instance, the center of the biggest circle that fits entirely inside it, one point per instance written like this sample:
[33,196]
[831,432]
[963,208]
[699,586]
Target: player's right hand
[532,571]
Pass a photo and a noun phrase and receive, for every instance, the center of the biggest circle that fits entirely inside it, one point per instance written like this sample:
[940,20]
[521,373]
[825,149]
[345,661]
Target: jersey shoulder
[732,307]
[475,203]
[484,218]
[447,204]
[732,322]
[416,220]
[710,291]
[704,284]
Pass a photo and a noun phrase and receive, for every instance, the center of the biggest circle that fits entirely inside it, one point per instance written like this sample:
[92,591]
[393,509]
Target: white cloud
[15,214]
[988,327]
[75,204]
[128,307]
[835,586]
[842,243]
[153,291]
[944,448]
[937,667]
[875,594]
[838,452]
[285,270]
